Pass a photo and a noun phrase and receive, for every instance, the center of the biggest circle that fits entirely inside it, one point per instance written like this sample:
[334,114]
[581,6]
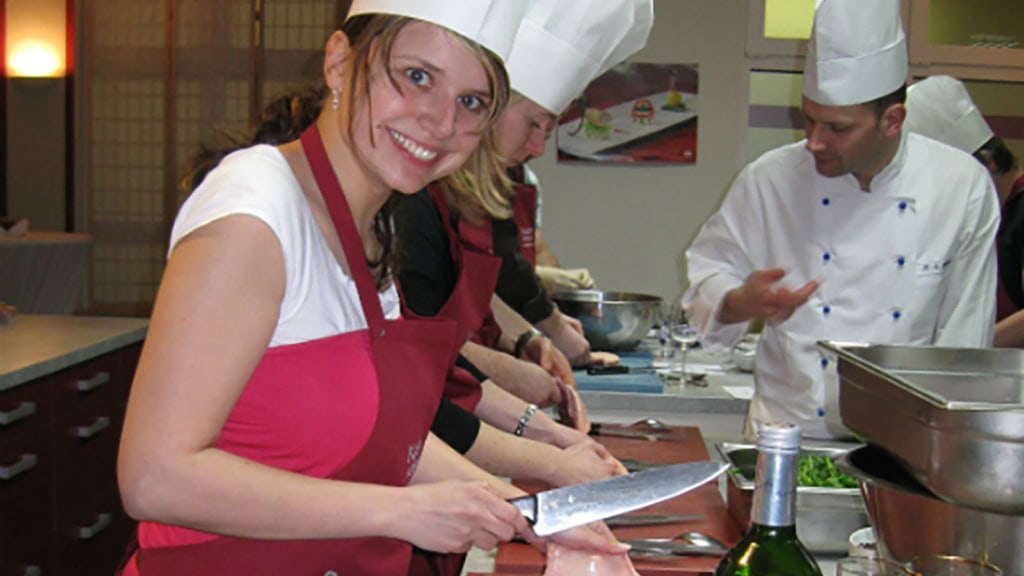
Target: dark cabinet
[61,511]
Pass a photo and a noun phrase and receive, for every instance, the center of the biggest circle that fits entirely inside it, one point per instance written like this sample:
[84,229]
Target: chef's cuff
[703,305]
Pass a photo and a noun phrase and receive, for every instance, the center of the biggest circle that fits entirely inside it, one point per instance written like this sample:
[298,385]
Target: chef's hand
[455,515]
[761,297]
[583,462]
[555,279]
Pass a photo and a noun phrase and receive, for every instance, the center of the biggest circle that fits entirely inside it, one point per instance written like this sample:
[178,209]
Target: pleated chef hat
[940,108]
[490,23]
[564,44]
[857,52]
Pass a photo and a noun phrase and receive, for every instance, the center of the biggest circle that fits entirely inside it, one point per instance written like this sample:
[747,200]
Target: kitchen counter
[38,345]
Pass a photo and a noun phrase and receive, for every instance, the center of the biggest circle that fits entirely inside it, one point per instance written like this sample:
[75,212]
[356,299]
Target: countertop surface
[38,345]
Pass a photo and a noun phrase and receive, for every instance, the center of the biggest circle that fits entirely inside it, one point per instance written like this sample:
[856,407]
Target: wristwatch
[523,340]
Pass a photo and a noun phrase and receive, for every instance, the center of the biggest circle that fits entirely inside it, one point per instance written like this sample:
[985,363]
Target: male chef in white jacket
[860,232]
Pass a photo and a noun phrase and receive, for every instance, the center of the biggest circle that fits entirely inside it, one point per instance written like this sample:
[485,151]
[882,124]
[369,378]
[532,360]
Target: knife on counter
[651,520]
[563,508]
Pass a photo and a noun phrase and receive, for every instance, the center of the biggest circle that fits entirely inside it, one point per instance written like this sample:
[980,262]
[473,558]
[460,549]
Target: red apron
[524,213]
[410,358]
[469,303]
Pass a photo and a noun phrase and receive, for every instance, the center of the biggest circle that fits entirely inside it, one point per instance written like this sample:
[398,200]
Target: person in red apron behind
[278,421]
[941,108]
[561,47]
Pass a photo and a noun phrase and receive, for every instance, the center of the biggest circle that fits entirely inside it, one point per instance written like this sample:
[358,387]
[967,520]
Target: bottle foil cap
[778,436]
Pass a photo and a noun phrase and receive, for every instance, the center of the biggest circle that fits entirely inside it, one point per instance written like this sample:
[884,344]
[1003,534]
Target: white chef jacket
[911,262]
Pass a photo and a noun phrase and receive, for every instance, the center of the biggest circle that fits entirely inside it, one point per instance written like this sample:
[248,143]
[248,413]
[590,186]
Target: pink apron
[409,357]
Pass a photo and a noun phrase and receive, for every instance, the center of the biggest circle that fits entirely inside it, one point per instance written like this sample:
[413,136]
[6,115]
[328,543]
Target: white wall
[631,224]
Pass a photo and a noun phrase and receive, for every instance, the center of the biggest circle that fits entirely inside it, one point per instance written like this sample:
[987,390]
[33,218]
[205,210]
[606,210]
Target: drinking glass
[951,566]
[870,566]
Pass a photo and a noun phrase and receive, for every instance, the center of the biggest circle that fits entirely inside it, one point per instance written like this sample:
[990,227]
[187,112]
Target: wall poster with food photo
[633,113]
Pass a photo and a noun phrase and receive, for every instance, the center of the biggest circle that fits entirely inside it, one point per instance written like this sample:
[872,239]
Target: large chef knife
[563,508]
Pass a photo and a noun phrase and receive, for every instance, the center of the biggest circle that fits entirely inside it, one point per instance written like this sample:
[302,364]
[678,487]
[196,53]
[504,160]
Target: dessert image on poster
[633,113]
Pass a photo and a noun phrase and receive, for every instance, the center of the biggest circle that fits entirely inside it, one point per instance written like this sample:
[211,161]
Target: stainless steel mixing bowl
[611,320]
[909,521]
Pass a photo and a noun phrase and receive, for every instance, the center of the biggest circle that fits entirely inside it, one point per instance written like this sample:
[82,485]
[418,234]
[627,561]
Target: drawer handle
[90,532]
[25,463]
[24,410]
[101,424]
[93,383]
[32,571]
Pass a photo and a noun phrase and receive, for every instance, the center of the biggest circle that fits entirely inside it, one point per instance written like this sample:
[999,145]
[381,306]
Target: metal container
[825,517]
[910,521]
[954,417]
[611,320]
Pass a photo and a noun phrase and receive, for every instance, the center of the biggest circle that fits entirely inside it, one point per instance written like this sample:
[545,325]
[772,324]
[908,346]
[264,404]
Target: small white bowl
[862,543]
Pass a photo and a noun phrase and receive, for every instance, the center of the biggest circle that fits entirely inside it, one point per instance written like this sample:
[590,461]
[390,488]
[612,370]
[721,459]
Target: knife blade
[650,520]
[635,465]
[563,508]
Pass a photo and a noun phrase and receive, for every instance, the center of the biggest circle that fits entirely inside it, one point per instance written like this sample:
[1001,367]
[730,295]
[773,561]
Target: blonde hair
[482,184]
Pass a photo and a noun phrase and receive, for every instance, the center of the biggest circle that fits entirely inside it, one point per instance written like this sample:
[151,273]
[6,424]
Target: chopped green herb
[821,472]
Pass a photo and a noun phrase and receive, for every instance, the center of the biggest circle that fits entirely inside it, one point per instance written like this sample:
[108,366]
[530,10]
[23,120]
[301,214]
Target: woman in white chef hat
[278,421]
[941,108]
[559,49]
[860,232]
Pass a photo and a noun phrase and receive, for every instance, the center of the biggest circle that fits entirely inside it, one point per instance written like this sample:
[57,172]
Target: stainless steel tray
[953,416]
[825,517]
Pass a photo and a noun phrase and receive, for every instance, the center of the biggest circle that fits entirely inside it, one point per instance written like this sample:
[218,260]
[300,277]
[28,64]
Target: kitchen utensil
[650,519]
[825,516]
[869,566]
[617,369]
[953,416]
[563,508]
[625,433]
[673,548]
[651,423]
[950,566]
[909,521]
[634,465]
[696,543]
[611,320]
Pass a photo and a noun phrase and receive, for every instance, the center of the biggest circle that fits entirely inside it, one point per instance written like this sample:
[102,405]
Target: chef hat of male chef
[940,108]
[490,23]
[857,52]
[562,45]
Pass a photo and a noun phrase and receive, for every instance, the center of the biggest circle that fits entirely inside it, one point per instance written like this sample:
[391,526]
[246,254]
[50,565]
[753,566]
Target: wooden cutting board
[684,444]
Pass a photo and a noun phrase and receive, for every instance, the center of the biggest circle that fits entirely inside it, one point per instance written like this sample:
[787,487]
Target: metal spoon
[651,423]
[684,543]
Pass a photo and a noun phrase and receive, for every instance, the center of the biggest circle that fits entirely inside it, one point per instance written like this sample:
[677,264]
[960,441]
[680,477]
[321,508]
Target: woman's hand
[453,516]
[529,382]
[585,461]
[542,351]
[596,537]
[566,334]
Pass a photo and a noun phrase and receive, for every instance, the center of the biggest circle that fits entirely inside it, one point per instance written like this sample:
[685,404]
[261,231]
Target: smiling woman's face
[424,120]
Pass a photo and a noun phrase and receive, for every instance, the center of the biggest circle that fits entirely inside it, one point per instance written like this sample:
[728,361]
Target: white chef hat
[562,45]
[940,108]
[490,23]
[857,52]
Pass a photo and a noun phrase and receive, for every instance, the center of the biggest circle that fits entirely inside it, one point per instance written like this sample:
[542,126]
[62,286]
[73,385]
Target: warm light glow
[34,59]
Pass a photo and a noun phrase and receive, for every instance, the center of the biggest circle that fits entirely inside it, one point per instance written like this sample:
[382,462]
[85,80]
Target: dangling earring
[334,100]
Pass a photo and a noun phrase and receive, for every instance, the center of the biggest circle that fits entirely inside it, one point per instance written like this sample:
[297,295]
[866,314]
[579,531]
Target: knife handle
[611,369]
[527,506]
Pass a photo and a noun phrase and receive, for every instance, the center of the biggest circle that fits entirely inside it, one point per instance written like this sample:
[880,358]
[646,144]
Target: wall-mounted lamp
[36,34]
[35,60]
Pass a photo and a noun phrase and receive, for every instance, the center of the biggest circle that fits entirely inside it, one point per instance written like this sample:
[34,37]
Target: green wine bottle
[771,547]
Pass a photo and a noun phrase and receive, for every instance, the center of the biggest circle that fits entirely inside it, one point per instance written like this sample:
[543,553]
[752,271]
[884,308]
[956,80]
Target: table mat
[643,382]
[686,445]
